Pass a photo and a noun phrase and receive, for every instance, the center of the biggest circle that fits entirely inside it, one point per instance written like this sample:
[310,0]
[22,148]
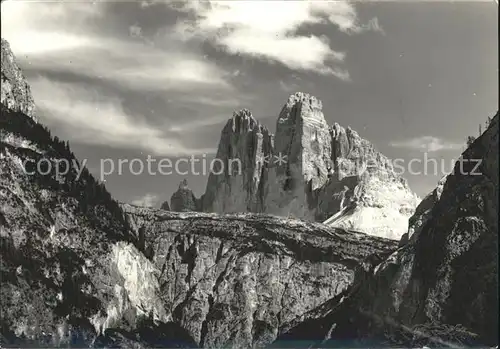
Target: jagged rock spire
[322,174]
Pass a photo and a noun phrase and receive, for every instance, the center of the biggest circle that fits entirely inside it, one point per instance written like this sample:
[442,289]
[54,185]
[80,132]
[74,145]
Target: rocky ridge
[15,91]
[80,270]
[235,280]
[440,287]
[329,173]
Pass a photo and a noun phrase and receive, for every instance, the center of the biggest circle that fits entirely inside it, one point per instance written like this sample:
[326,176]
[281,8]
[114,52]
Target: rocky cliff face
[71,272]
[184,200]
[79,270]
[304,142]
[239,180]
[236,280]
[16,93]
[440,287]
[311,171]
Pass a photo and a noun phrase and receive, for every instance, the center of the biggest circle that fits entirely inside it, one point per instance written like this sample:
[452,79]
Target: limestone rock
[303,140]
[440,287]
[238,181]
[234,280]
[79,270]
[165,206]
[311,171]
[183,199]
[375,199]
[16,93]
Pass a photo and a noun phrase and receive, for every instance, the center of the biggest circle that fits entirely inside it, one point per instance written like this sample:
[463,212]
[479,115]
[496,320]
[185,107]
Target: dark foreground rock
[440,288]
[236,280]
[78,269]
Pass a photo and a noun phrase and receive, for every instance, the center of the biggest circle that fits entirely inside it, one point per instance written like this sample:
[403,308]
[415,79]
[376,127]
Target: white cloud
[148,200]
[269,30]
[428,144]
[89,118]
[61,37]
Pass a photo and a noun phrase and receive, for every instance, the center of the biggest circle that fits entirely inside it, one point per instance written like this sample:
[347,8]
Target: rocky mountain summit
[440,287]
[16,93]
[183,199]
[308,170]
[240,184]
[80,270]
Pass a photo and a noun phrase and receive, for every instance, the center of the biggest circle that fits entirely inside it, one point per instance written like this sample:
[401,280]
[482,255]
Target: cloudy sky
[123,80]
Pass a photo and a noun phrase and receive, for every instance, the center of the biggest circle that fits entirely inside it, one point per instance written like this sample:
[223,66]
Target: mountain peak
[15,91]
[242,122]
[305,98]
[319,177]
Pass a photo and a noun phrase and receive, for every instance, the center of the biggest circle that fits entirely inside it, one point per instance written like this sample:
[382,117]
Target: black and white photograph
[249,174]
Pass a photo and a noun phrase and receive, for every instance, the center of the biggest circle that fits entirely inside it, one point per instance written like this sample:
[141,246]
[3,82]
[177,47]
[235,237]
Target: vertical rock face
[183,199]
[440,288]
[310,171]
[236,280]
[368,194]
[15,91]
[238,181]
[303,142]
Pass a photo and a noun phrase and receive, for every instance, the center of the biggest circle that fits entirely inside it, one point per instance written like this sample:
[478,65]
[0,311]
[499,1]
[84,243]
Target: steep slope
[309,170]
[15,91]
[440,288]
[80,270]
[236,280]
[69,265]
[238,181]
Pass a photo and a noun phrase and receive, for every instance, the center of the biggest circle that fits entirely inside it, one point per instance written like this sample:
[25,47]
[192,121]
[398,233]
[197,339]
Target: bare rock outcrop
[15,91]
[183,199]
[80,270]
[239,177]
[440,288]
[235,280]
[165,206]
[304,142]
[311,171]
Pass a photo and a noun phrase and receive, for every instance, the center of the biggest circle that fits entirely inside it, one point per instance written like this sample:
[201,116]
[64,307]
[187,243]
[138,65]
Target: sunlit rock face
[304,142]
[236,280]
[15,91]
[439,288]
[239,179]
[310,170]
